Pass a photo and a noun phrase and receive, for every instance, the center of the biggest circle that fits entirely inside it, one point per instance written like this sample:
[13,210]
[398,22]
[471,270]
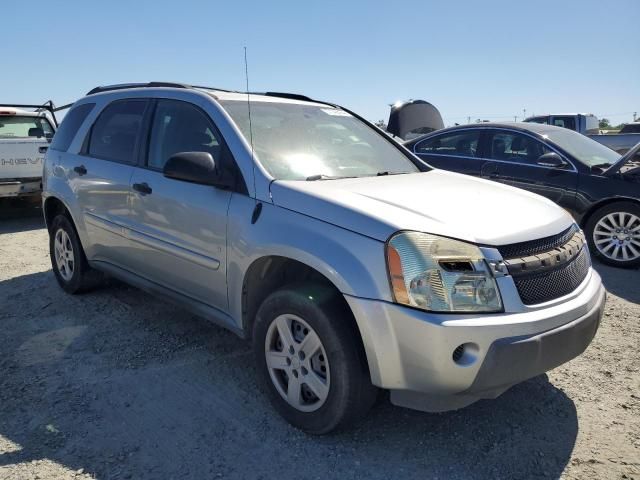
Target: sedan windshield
[310,142]
[585,150]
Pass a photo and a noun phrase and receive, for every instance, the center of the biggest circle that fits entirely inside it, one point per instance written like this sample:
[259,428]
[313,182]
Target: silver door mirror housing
[195,167]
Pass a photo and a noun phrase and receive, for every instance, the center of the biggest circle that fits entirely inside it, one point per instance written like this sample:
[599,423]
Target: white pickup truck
[24,139]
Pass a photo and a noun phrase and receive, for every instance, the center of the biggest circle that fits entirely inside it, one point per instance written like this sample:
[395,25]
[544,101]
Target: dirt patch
[118,384]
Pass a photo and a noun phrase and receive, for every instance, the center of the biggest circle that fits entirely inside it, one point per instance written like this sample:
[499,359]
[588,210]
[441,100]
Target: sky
[472,59]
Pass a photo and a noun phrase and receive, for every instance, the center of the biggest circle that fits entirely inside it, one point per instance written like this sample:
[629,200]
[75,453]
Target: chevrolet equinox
[350,264]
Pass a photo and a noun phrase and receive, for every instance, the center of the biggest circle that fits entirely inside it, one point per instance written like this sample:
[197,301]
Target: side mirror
[195,167]
[552,160]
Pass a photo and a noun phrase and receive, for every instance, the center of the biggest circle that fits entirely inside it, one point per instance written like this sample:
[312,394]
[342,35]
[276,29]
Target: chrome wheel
[297,363]
[617,236]
[64,255]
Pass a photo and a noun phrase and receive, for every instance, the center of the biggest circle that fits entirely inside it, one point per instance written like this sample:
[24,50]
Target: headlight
[440,274]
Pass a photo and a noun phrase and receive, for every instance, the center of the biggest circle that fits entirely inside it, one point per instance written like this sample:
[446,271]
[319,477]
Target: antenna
[253,160]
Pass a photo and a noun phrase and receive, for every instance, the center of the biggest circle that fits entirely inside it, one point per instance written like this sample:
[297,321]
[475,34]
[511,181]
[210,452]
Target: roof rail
[122,86]
[215,88]
[291,96]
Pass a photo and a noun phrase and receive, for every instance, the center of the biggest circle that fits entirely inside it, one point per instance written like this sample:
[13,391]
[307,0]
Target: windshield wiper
[385,173]
[322,176]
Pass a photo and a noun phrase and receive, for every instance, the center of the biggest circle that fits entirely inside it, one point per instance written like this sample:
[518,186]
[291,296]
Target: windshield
[310,142]
[24,127]
[587,151]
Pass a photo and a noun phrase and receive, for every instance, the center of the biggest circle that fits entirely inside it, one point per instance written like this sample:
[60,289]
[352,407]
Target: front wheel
[613,233]
[310,359]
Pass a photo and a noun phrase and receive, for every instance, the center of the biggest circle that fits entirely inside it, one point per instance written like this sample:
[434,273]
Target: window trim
[226,154]
[452,132]
[86,144]
[484,158]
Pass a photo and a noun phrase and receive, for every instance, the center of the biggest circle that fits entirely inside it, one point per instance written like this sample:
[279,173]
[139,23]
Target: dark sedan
[596,185]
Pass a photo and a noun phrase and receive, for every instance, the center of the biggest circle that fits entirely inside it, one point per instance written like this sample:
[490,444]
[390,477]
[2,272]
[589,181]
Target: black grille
[542,287]
[532,247]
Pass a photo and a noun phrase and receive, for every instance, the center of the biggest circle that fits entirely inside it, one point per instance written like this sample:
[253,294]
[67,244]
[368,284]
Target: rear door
[100,175]
[179,228]
[458,151]
[512,159]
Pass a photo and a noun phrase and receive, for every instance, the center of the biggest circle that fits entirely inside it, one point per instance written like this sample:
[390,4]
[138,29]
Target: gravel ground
[117,384]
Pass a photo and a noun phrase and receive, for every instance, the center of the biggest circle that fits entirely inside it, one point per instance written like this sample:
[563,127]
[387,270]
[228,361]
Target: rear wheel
[310,359]
[67,258]
[613,233]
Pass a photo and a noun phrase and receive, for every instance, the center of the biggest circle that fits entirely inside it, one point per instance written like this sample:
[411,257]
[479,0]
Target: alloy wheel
[64,255]
[297,363]
[617,236]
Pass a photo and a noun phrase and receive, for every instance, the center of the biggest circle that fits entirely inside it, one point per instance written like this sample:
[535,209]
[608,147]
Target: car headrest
[36,132]
[518,144]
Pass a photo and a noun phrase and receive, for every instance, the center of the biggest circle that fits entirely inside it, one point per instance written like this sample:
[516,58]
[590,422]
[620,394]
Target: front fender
[355,264]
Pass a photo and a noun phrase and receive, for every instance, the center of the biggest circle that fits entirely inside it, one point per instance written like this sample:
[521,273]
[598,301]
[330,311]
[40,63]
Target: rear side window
[114,135]
[458,144]
[69,126]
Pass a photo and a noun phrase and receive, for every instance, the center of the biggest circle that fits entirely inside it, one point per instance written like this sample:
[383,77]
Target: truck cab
[585,123]
[24,139]
[588,124]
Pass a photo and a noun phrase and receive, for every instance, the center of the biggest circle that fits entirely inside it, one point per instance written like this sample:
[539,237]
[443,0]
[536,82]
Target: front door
[178,229]
[512,159]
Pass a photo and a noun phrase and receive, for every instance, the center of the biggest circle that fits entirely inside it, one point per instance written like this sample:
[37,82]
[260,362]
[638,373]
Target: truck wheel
[613,233]
[68,260]
[310,359]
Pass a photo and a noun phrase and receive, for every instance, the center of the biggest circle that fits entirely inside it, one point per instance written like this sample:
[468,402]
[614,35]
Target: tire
[613,232]
[347,393]
[72,272]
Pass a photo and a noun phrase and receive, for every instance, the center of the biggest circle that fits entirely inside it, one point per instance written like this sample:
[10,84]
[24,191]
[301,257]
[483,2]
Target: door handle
[43,149]
[80,170]
[143,188]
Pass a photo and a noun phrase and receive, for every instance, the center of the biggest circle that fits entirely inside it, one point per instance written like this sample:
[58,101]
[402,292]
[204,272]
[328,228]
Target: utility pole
[469,119]
[635,115]
[524,113]
[515,118]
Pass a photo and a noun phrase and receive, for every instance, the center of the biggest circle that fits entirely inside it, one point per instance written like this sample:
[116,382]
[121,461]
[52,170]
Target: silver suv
[350,264]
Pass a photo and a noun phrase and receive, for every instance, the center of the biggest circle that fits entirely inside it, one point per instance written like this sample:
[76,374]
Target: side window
[515,147]
[69,126]
[181,127]
[566,122]
[457,144]
[115,133]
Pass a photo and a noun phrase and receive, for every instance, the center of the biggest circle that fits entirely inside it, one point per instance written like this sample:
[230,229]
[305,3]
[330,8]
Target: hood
[629,162]
[438,202]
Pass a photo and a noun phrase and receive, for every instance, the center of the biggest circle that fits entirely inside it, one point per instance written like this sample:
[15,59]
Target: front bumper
[20,187]
[411,352]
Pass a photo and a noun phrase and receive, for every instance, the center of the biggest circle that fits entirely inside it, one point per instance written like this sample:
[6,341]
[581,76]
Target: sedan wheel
[613,233]
[297,363]
[617,236]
